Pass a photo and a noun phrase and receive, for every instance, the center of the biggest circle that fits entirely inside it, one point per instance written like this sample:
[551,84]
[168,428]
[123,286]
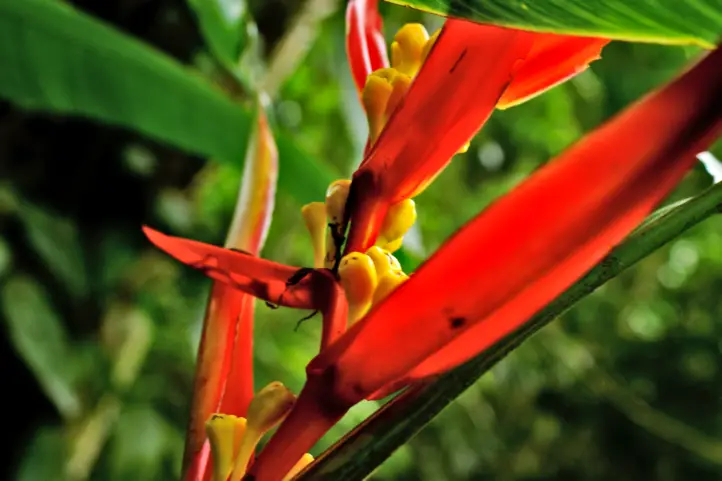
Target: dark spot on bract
[457,322]
[458,61]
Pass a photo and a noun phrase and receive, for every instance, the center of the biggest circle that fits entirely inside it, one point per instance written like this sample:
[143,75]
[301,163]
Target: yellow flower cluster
[234,439]
[369,277]
[386,87]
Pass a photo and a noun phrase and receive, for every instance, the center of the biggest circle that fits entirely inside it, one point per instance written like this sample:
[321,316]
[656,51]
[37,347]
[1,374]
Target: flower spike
[530,245]
[535,242]
[476,63]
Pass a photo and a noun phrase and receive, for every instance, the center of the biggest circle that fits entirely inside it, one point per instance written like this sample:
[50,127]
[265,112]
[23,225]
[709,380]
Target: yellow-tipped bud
[224,435]
[382,93]
[399,219]
[383,261]
[314,216]
[407,48]
[429,44]
[336,197]
[375,97]
[400,85]
[305,460]
[394,245]
[386,285]
[267,408]
[358,278]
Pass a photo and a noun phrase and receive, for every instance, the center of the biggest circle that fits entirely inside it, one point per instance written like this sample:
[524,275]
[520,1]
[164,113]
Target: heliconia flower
[501,267]
[226,348]
[509,66]
[512,259]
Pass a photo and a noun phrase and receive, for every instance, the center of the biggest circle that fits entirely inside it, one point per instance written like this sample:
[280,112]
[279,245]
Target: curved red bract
[365,43]
[530,245]
[552,60]
[448,102]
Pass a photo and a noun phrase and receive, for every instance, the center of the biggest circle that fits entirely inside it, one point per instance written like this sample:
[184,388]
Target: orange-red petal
[264,279]
[456,90]
[530,245]
[365,43]
[226,348]
[552,60]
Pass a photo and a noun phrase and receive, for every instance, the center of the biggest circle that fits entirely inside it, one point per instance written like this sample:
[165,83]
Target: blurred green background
[100,329]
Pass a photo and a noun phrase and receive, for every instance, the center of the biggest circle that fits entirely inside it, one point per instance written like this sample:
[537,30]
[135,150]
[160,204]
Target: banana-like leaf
[697,22]
[56,59]
[222,23]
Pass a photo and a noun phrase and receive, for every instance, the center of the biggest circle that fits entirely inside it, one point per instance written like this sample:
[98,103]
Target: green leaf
[357,455]
[696,22]
[56,240]
[223,25]
[40,339]
[44,456]
[57,59]
[140,444]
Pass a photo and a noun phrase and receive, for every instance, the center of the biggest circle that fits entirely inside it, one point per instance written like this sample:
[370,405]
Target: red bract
[501,267]
[365,44]
[452,96]
[552,60]
[226,348]
[485,67]
[512,259]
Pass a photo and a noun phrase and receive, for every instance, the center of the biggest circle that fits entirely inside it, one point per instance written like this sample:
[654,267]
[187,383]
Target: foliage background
[101,330]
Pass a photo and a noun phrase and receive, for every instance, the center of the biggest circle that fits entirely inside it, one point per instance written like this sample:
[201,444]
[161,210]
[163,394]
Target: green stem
[366,447]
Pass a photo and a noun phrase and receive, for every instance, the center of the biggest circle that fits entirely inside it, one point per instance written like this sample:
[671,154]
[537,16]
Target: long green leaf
[56,59]
[222,23]
[39,337]
[659,21]
[355,456]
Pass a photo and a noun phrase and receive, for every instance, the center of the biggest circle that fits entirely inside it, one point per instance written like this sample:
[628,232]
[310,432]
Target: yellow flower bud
[267,409]
[224,433]
[383,261]
[394,245]
[400,85]
[336,197]
[358,278]
[386,285]
[375,97]
[314,216]
[399,219]
[384,90]
[305,460]
[407,48]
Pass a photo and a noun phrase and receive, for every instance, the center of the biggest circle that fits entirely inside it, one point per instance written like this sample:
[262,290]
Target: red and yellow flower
[423,107]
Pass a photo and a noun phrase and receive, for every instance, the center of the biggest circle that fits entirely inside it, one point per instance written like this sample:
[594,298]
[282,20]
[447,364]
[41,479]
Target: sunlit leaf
[222,24]
[660,21]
